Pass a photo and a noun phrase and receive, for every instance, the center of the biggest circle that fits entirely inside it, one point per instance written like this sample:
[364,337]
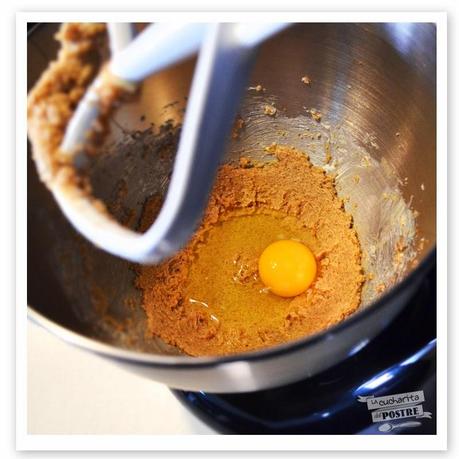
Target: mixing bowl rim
[167,361]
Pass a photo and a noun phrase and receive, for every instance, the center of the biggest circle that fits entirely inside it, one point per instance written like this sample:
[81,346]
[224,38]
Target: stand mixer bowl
[374,86]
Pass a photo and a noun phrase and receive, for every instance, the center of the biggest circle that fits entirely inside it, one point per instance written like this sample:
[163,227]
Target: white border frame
[25,441]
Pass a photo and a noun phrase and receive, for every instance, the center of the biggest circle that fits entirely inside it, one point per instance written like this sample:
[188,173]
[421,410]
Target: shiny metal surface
[374,85]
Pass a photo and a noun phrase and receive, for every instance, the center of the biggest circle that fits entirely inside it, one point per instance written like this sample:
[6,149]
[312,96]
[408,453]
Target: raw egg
[287,267]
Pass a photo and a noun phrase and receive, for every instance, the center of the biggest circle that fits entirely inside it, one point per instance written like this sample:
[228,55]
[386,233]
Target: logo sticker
[394,407]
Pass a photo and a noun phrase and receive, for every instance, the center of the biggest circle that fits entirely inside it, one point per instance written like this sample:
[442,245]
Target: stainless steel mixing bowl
[374,85]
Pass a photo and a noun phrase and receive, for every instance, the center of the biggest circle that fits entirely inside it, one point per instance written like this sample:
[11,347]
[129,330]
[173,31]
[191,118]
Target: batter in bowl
[209,300]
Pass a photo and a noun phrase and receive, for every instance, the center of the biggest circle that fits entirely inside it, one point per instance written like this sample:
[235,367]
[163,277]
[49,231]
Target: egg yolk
[287,268]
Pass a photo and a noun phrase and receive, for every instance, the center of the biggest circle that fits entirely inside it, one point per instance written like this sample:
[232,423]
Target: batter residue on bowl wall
[208,300]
